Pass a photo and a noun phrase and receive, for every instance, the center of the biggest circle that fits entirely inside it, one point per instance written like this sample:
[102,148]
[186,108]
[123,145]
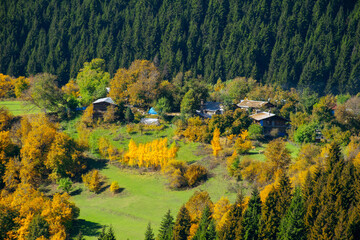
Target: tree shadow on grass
[87,228]
[96,163]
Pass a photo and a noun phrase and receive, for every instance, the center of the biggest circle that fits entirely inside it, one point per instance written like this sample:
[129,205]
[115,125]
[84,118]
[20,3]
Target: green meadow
[19,108]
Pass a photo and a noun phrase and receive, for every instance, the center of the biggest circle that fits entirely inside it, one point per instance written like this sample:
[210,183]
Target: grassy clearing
[144,198]
[19,108]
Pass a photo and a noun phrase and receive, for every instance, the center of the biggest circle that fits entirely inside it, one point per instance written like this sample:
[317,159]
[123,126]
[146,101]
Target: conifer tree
[292,225]
[252,216]
[166,227]
[182,225]
[284,192]
[270,218]
[233,228]
[149,235]
[38,228]
[211,231]
[203,225]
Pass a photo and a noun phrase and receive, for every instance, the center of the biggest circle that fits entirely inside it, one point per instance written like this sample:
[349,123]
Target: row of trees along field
[292,43]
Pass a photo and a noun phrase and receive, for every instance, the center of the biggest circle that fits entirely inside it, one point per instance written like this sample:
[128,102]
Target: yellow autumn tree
[21,84]
[71,89]
[155,154]
[215,142]
[64,158]
[5,119]
[221,207]
[6,86]
[35,148]
[243,144]
[88,116]
[93,181]
[114,187]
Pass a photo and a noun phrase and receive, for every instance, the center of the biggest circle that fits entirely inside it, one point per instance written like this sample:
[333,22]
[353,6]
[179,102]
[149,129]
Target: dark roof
[212,106]
[252,104]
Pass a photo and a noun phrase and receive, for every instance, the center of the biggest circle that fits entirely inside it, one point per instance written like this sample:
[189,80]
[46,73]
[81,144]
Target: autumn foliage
[155,154]
[215,142]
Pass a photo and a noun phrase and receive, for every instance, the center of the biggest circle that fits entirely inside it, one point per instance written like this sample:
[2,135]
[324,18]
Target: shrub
[194,174]
[306,133]
[255,131]
[114,187]
[92,181]
[65,184]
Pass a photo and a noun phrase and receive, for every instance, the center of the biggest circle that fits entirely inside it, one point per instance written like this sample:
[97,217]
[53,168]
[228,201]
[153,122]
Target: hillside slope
[295,43]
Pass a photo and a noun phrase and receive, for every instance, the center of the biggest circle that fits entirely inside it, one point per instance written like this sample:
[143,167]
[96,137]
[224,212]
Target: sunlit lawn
[18,108]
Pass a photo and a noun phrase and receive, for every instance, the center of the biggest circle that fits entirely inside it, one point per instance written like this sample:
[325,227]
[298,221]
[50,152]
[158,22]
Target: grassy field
[144,198]
[19,108]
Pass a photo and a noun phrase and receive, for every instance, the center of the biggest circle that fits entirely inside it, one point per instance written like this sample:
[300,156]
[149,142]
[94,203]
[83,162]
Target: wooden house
[271,122]
[101,105]
[254,105]
[208,109]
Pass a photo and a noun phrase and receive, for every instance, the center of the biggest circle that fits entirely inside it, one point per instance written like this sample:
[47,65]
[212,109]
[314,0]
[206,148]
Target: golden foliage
[215,142]
[21,84]
[195,130]
[28,202]
[175,171]
[196,205]
[232,163]
[11,176]
[114,187]
[220,208]
[71,89]
[103,146]
[5,119]
[88,116]
[155,154]
[6,86]
[277,155]
[194,174]
[136,85]
[109,115]
[242,143]
[93,180]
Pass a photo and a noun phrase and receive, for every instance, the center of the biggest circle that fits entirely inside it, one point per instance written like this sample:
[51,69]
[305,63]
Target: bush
[306,133]
[114,187]
[65,184]
[255,131]
[195,174]
[92,181]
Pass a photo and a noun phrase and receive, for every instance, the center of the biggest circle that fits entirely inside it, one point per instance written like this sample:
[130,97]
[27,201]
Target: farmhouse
[208,109]
[271,123]
[101,105]
[255,105]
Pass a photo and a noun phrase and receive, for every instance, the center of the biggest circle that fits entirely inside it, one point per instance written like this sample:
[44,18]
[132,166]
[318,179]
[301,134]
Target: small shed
[152,111]
[270,121]
[150,121]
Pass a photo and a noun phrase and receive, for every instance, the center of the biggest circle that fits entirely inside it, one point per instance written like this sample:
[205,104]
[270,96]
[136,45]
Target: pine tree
[38,228]
[252,216]
[211,231]
[182,225]
[149,235]
[292,225]
[107,235]
[166,227]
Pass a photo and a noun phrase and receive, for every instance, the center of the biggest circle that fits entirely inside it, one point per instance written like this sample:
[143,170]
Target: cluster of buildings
[260,113]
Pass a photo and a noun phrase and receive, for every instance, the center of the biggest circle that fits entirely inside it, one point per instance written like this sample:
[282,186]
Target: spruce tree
[203,224]
[149,235]
[232,228]
[270,217]
[211,231]
[284,192]
[38,228]
[292,226]
[166,227]
[252,216]
[182,225]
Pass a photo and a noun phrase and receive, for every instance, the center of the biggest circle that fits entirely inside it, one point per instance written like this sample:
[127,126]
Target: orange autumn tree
[242,143]
[27,203]
[215,142]
[155,154]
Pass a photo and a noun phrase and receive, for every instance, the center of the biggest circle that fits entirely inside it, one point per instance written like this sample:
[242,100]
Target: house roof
[107,99]
[150,121]
[212,106]
[251,104]
[262,115]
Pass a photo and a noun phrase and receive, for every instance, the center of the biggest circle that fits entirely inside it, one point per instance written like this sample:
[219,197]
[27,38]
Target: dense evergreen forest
[294,43]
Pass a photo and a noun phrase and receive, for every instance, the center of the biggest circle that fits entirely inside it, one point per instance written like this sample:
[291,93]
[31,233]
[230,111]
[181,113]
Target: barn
[101,105]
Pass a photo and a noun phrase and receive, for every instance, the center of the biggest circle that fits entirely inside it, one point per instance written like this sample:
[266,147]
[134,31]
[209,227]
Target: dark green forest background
[295,43]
